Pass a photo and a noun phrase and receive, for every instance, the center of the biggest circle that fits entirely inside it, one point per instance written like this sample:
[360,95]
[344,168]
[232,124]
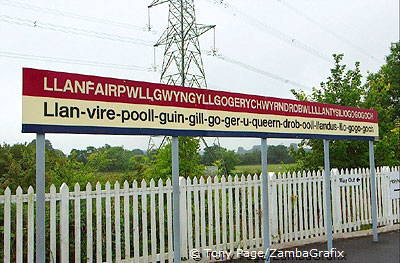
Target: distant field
[256,168]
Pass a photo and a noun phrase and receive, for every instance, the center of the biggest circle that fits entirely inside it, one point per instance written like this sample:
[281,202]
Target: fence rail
[133,222]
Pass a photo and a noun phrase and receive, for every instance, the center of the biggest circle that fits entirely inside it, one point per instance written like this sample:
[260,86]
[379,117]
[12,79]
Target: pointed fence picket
[99,226]
[134,224]
[89,224]
[161,220]
[144,223]
[109,254]
[231,224]
[202,214]
[189,212]
[127,221]
[7,225]
[153,229]
[217,220]
[19,229]
[223,215]
[117,222]
[196,233]
[77,221]
[64,224]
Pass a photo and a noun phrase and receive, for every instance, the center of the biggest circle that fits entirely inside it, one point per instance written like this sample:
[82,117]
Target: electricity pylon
[182,63]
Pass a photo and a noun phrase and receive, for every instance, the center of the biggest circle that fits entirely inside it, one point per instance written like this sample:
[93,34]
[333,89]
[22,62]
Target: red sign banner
[57,102]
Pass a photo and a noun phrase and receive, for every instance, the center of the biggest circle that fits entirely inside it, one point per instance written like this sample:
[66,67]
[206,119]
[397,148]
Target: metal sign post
[373,192]
[265,199]
[327,175]
[40,198]
[176,197]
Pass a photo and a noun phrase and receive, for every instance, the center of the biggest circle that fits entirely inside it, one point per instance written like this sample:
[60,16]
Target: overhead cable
[261,71]
[271,30]
[326,29]
[15,55]
[56,12]
[72,30]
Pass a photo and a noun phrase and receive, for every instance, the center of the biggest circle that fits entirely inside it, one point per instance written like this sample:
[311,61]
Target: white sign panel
[349,180]
[394,185]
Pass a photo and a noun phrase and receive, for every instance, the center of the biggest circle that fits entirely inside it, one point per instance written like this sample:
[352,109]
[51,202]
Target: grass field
[256,168]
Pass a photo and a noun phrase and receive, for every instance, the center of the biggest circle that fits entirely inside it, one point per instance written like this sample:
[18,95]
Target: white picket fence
[132,223]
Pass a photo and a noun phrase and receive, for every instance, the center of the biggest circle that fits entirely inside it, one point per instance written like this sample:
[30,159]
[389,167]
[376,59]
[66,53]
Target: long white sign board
[58,102]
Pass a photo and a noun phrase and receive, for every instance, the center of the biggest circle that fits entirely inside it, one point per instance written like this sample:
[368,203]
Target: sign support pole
[328,216]
[176,199]
[373,192]
[40,198]
[265,199]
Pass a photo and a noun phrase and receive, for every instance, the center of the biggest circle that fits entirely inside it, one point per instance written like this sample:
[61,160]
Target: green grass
[256,168]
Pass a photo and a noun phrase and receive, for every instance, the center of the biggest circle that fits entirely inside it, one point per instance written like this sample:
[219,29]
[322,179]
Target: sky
[280,39]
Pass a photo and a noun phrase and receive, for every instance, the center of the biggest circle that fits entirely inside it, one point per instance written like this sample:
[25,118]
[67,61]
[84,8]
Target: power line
[72,30]
[27,22]
[92,63]
[15,55]
[261,72]
[271,30]
[78,31]
[57,12]
[326,29]
[32,23]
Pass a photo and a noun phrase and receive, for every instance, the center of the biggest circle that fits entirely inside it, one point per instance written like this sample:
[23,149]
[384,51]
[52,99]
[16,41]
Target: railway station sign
[58,102]
[349,180]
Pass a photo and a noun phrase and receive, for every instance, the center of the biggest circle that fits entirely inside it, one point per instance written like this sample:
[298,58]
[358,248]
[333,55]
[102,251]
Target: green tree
[224,159]
[109,159]
[82,155]
[279,154]
[384,96]
[344,87]
[211,154]
[252,157]
[17,167]
[189,160]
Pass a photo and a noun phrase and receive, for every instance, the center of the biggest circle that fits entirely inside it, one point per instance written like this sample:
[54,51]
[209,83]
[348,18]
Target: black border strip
[36,128]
